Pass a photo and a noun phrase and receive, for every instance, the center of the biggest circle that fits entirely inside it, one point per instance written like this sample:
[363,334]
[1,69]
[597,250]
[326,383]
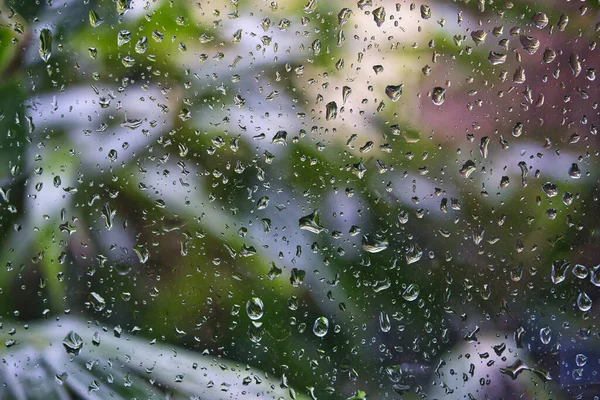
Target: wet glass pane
[299,199]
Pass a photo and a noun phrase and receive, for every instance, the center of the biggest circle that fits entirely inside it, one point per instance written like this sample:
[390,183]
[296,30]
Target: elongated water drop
[384,322]
[559,271]
[45,44]
[595,275]
[95,20]
[331,110]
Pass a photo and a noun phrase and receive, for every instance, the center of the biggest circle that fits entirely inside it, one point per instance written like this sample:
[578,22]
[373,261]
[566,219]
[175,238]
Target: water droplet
[483,146]
[311,6]
[384,322]
[394,92]
[411,293]
[374,243]
[496,58]
[97,301]
[517,129]
[478,37]
[123,6]
[575,64]
[344,16]
[425,11]
[255,308]
[331,110]
[595,275]
[550,189]
[545,335]
[515,369]
[379,16]
[584,303]
[262,203]
[141,45]
[562,22]
[321,326]
[530,44]
[467,169]
[580,271]
[310,223]
[45,44]
[123,37]
[559,271]
[413,254]
[581,360]
[549,55]
[478,233]
[438,96]
[574,171]
[95,20]
[540,20]
[73,343]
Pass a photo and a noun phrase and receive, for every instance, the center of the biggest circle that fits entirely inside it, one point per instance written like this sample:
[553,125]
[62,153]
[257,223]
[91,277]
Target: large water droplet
[530,44]
[545,335]
[374,243]
[331,110]
[384,322]
[255,308]
[411,293]
[584,302]
[45,44]
[73,343]
[394,92]
[310,223]
[321,326]
[438,95]
[550,189]
[559,271]
[496,58]
[595,275]
[540,20]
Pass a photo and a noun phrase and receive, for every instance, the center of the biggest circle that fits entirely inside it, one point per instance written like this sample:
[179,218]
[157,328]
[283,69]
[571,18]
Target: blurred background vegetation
[228,199]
